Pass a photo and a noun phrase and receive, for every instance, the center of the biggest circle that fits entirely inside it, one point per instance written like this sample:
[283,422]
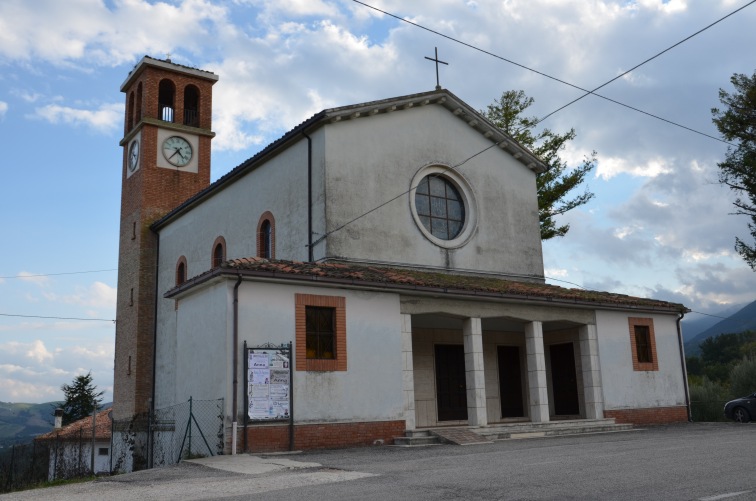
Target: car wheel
[740,415]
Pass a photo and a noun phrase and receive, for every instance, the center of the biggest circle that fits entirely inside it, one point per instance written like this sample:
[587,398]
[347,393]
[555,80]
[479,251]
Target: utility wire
[587,92]
[649,60]
[708,314]
[59,318]
[324,236]
[454,167]
[66,273]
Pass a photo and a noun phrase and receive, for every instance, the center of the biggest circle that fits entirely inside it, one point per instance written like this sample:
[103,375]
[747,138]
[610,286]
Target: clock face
[177,151]
[133,155]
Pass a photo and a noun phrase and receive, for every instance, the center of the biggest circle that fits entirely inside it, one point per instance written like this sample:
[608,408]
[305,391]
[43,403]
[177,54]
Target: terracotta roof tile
[403,278]
[83,428]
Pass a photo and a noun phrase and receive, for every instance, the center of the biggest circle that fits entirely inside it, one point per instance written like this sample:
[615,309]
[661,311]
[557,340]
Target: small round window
[440,207]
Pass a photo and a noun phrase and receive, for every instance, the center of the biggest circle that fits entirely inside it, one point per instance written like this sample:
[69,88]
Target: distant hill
[742,320]
[693,325]
[19,423]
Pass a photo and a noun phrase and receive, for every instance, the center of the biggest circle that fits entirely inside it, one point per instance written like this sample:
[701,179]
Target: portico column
[539,395]
[408,374]
[474,376]
[594,396]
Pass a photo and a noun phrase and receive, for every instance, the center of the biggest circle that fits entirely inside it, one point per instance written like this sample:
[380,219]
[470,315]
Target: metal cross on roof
[438,86]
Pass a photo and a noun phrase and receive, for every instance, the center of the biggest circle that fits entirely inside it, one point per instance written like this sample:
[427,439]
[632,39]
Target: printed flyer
[268,384]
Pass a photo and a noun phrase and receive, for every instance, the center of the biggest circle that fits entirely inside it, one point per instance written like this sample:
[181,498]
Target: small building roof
[413,281]
[83,428]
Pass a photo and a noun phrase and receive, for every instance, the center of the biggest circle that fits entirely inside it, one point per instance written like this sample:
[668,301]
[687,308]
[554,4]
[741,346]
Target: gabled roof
[82,429]
[412,281]
[442,97]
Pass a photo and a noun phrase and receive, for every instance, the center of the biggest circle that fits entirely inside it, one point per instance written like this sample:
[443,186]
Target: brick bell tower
[166,159]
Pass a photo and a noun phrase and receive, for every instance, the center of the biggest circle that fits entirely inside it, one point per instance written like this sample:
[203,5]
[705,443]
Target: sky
[659,226]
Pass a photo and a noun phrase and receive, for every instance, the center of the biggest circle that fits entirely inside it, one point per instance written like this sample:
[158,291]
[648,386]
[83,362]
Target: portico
[479,364]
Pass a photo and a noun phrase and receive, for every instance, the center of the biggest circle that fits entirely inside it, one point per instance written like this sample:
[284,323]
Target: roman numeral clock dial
[177,151]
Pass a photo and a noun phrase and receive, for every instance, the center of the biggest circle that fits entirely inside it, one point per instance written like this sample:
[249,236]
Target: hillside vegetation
[725,369]
[19,423]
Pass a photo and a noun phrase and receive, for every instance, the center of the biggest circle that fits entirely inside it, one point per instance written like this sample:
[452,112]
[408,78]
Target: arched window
[191,106]
[138,115]
[130,115]
[219,251]
[166,99]
[181,271]
[266,236]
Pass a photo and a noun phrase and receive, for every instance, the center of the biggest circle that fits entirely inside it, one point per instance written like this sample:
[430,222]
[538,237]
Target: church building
[378,269]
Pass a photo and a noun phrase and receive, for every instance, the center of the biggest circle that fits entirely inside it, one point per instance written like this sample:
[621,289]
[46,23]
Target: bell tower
[166,160]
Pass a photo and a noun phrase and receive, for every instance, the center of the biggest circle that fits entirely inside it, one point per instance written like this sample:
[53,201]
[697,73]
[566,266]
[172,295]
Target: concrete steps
[465,435]
[551,429]
[417,438]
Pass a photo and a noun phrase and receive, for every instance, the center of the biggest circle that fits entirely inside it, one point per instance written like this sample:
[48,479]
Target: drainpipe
[684,369]
[310,252]
[234,424]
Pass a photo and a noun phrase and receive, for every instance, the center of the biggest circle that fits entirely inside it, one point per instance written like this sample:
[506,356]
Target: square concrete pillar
[594,397]
[408,374]
[472,332]
[539,395]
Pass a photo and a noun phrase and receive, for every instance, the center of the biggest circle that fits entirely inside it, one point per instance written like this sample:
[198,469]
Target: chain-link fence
[187,430]
[707,410]
[24,465]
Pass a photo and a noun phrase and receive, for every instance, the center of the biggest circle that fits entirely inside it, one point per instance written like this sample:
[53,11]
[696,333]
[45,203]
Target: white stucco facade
[421,350]
[627,388]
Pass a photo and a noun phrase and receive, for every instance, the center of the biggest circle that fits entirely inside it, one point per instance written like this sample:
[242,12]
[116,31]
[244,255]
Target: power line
[587,92]
[454,167]
[59,318]
[65,273]
[649,60]
[709,314]
[324,236]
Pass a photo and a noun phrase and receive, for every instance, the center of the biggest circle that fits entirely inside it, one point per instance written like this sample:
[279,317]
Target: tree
[80,398]
[737,123]
[553,185]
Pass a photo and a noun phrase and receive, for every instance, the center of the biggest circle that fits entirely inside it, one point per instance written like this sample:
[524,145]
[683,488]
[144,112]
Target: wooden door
[451,388]
[510,382]
[564,380]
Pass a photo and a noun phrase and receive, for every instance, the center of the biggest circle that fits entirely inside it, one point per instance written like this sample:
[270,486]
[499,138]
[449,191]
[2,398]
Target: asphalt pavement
[697,461]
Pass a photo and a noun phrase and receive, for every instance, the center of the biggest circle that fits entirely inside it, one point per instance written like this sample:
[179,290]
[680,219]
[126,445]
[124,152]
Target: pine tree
[554,184]
[737,124]
[81,396]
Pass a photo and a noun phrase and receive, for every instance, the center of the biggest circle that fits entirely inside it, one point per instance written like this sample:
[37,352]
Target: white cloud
[35,278]
[608,167]
[3,108]
[15,390]
[38,352]
[28,96]
[87,31]
[98,352]
[106,118]
[97,295]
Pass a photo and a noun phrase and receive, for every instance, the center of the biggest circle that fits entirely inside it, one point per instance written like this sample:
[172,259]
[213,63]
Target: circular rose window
[442,205]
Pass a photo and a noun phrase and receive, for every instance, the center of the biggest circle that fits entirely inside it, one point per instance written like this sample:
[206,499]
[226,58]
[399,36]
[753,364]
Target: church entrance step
[460,436]
[551,429]
[416,438]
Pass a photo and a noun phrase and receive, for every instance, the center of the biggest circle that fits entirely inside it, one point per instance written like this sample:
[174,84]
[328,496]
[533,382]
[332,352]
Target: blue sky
[658,227]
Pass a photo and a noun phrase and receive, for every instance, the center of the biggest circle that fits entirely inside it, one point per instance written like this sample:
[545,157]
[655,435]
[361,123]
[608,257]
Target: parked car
[741,409]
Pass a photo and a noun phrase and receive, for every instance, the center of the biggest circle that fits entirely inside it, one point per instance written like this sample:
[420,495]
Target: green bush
[743,378]
[707,399]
